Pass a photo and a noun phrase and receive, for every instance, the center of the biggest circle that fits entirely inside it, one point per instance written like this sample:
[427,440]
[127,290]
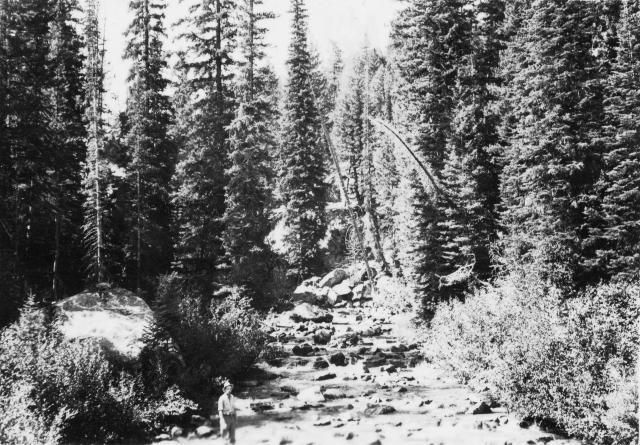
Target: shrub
[222,337]
[52,389]
[569,360]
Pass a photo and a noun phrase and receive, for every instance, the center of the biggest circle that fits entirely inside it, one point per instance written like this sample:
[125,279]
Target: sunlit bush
[53,389]
[571,361]
[219,338]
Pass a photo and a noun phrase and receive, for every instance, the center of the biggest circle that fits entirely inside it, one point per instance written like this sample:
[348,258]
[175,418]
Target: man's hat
[227,385]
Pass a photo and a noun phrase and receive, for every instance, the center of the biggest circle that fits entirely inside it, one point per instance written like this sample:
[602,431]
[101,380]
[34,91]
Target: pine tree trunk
[96,178]
[56,257]
[138,236]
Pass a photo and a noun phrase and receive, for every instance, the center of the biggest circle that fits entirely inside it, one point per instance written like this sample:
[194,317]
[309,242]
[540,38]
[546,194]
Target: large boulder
[334,277]
[306,294]
[363,275]
[332,297]
[361,292]
[322,337]
[116,318]
[311,394]
[308,312]
[343,290]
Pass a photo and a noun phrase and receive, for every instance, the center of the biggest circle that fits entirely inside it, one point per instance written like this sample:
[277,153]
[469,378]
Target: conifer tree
[302,176]
[351,132]
[474,145]
[199,191]
[248,195]
[95,170]
[67,132]
[10,292]
[555,145]
[430,39]
[149,115]
[27,143]
[619,246]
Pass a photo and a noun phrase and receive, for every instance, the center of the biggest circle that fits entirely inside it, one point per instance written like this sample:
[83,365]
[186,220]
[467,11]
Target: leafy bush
[222,337]
[569,360]
[52,389]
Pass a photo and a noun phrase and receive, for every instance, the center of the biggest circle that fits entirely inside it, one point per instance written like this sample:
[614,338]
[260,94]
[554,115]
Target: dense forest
[486,166]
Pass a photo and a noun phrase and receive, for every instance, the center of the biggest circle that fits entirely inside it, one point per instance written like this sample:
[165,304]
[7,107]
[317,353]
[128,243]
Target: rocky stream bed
[343,375]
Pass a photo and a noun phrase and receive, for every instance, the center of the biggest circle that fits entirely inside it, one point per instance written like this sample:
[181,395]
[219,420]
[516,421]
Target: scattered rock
[338,359]
[332,298]
[349,435]
[334,394]
[260,407]
[305,293]
[279,395]
[176,431]
[302,350]
[364,276]
[480,408]
[525,423]
[204,431]
[376,410]
[307,312]
[275,362]
[289,389]
[312,395]
[327,376]
[162,437]
[342,290]
[320,363]
[375,361]
[323,422]
[334,277]
[374,331]
[322,337]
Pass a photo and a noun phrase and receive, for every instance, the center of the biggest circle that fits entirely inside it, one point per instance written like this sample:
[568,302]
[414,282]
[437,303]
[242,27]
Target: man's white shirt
[227,404]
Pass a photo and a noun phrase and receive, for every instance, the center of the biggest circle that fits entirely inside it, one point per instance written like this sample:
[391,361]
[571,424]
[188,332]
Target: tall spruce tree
[474,146]
[430,39]
[9,292]
[67,132]
[302,173]
[619,246]
[199,191]
[553,157]
[27,143]
[248,195]
[149,115]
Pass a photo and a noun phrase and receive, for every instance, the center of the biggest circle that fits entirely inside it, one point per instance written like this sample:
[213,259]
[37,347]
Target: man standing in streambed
[227,412]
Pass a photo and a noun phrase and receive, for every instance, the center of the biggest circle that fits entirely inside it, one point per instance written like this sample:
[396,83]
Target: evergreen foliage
[152,156]
[431,39]
[95,168]
[248,195]
[618,233]
[207,110]
[302,173]
[553,157]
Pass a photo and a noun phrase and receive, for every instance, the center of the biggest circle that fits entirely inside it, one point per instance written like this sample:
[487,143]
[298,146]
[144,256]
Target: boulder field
[343,376]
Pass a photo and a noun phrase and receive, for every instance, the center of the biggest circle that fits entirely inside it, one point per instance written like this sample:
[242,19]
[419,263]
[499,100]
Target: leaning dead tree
[387,128]
[465,272]
[352,214]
